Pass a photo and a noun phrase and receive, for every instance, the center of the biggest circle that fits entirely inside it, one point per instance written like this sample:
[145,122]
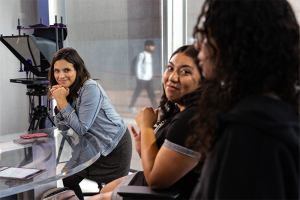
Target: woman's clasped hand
[59,93]
[147,117]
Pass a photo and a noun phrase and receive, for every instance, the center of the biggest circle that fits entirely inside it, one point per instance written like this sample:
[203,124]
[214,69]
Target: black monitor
[34,52]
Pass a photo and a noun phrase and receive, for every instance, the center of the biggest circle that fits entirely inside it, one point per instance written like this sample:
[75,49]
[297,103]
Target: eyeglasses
[199,37]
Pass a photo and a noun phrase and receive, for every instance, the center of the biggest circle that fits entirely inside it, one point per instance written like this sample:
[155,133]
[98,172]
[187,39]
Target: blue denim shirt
[92,112]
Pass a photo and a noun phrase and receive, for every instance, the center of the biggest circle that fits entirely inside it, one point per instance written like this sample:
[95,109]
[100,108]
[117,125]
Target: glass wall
[110,34]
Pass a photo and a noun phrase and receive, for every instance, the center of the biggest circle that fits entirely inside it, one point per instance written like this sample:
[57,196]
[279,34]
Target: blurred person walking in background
[143,69]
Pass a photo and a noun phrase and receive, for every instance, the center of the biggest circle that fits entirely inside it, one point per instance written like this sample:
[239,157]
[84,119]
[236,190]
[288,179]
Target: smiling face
[64,73]
[181,77]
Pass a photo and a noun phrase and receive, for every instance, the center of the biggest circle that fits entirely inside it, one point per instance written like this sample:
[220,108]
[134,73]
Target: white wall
[13,98]
[296,7]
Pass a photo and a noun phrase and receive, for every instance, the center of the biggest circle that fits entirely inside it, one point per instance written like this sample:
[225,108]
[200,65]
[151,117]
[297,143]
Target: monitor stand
[31,81]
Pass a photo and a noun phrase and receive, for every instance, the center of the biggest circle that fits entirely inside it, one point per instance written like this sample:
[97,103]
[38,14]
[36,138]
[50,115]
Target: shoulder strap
[144,57]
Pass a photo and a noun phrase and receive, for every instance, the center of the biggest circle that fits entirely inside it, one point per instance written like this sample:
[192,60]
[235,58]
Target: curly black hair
[257,52]
[167,108]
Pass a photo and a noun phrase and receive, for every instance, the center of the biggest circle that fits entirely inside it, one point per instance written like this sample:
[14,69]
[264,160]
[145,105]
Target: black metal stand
[39,113]
[38,118]
[35,86]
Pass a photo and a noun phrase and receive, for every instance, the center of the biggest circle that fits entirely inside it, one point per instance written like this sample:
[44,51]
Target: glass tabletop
[60,154]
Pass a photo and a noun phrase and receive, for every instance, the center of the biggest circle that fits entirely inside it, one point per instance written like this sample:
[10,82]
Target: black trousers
[140,86]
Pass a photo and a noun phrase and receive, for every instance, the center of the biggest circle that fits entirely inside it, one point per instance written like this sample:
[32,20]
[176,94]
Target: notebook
[19,172]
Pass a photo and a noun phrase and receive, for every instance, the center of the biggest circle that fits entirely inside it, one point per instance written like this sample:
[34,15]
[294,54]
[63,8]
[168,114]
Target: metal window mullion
[184,22]
[164,4]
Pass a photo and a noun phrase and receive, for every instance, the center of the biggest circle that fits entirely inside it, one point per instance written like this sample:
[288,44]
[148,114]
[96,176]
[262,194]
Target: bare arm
[163,167]
[168,167]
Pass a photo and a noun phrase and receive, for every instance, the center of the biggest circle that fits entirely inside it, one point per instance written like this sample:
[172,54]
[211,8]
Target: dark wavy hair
[257,52]
[167,108]
[82,74]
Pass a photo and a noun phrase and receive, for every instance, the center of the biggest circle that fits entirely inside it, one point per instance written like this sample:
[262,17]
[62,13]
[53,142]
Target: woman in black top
[251,48]
[166,160]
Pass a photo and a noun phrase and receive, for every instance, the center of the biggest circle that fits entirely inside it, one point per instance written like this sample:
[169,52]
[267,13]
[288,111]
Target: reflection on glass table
[61,154]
